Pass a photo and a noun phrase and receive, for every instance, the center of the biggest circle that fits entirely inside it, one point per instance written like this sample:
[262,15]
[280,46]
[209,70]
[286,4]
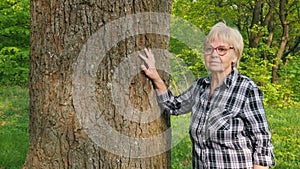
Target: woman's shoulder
[202,80]
[246,81]
[248,85]
[199,84]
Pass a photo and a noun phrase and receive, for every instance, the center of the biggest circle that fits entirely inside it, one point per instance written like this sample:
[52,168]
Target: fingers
[149,54]
[146,71]
[143,67]
[148,59]
[143,57]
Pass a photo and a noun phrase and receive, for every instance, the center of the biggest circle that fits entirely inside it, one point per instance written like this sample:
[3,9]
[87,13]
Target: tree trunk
[284,40]
[90,105]
[254,37]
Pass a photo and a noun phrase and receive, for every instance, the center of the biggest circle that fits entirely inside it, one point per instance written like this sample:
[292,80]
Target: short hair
[228,35]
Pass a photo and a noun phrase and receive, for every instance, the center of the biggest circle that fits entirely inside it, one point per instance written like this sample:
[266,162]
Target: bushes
[15,43]
[284,94]
[14,66]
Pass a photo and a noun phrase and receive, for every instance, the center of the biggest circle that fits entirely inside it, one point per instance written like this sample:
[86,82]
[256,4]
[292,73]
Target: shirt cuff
[162,97]
[264,157]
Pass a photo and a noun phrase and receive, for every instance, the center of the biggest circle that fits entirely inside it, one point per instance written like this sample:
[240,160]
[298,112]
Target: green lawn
[14,141]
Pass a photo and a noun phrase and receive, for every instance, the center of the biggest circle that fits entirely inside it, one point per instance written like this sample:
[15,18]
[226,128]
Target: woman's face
[219,57]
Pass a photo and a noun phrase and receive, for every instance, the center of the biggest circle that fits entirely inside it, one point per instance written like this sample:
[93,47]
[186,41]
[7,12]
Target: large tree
[90,106]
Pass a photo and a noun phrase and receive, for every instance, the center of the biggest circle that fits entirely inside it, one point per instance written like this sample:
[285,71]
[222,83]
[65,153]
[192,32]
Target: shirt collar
[229,80]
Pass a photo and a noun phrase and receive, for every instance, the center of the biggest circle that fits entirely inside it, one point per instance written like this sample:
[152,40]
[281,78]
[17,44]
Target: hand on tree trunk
[151,71]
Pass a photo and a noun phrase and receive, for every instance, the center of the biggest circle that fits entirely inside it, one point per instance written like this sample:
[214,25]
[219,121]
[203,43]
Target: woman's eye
[222,49]
[208,49]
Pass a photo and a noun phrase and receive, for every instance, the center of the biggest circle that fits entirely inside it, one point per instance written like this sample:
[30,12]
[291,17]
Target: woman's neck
[217,78]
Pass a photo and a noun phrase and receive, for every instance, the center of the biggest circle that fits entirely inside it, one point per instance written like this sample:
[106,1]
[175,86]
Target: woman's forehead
[217,38]
[218,42]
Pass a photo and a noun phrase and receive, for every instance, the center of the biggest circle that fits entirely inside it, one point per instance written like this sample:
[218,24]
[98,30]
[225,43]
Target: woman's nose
[214,53]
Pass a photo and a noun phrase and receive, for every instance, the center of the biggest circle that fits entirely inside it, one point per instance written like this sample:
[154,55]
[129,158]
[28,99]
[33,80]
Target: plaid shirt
[229,129]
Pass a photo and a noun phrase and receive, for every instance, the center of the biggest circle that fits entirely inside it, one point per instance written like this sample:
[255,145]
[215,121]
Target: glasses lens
[208,50]
[221,50]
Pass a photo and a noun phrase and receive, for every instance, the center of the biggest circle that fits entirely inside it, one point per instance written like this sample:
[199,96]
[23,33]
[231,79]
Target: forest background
[271,32]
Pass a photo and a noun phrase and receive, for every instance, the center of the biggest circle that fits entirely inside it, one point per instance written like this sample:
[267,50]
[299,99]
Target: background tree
[60,31]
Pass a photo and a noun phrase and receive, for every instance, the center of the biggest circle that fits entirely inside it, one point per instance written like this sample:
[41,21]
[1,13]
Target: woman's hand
[149,69]
[151,72]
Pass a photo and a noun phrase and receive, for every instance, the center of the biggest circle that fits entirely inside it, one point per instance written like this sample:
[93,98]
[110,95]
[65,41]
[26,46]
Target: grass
[285,127]
[14,139]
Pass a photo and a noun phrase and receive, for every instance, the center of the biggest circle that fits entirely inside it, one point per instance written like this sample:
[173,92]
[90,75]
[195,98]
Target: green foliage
[290,77]
[285,94]
[14,23]
[191,58]
[14,66]
[255,67]
[14,44]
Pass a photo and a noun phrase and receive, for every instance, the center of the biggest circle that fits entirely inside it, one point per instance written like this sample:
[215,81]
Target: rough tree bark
[60,134]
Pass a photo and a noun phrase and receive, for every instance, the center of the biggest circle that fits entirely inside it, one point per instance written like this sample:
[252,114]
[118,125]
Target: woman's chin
[215,69]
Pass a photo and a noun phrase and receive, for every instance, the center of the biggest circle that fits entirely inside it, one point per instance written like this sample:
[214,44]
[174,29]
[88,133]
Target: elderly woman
[228,125]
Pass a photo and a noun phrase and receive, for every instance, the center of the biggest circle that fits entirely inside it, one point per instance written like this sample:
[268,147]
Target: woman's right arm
[174,104]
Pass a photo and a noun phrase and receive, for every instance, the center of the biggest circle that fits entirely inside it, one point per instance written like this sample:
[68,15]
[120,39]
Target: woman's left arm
[258,130]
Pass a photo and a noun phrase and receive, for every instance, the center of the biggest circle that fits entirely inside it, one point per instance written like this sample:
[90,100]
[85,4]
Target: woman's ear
[233,64]
[234,58]
[234,61]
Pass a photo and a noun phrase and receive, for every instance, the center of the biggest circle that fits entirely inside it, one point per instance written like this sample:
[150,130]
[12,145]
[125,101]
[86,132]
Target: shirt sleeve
[177,105]
[258,130]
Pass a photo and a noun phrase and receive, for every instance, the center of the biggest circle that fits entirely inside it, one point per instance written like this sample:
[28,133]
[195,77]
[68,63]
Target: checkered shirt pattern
[228,130]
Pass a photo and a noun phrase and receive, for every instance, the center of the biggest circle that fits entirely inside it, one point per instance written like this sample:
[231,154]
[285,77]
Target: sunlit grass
[285,127]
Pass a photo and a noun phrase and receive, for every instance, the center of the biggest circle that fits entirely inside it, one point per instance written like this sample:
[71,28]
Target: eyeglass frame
[217,50]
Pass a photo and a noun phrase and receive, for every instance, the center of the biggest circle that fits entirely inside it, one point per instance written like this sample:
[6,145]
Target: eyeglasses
[221,50]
